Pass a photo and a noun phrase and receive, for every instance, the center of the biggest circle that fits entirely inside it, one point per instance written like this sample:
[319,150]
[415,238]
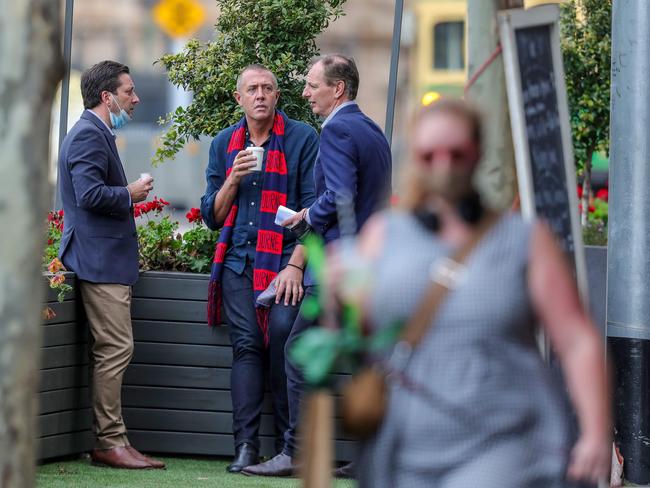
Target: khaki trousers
[108,309]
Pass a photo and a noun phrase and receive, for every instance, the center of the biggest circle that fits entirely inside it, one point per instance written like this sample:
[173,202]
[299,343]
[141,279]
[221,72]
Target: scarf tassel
[214,303]
[262,314]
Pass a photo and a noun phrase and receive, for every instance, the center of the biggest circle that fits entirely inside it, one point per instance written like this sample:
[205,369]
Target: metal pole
[628,259]
[496,177]
[394,65]
[65,87]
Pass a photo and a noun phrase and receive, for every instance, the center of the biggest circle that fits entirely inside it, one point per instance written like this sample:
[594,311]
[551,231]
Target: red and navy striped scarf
[268,252]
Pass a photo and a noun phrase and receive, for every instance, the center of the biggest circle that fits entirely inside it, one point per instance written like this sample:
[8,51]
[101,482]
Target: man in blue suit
[100,245]
[353,166]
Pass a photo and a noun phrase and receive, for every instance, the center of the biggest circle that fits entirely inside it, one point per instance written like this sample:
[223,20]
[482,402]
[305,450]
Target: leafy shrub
[277,33]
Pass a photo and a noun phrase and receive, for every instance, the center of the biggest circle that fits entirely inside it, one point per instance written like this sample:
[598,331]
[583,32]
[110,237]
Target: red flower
[48,314]
[602,194]
[592,209]
[164,202]
[50,242]
[579,191]
[194,215]
[61,213]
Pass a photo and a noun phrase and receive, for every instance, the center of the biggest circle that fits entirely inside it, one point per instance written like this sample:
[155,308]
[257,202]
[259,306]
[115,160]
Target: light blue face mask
[118,121]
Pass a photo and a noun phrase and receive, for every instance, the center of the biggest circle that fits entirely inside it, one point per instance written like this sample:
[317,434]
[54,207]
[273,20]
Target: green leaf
[315,352]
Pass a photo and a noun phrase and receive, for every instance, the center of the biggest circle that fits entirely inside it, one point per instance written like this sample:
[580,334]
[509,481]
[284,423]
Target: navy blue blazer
[354,160]
[99,240]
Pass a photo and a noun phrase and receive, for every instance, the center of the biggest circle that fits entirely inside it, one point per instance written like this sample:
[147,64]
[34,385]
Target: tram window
[449,45]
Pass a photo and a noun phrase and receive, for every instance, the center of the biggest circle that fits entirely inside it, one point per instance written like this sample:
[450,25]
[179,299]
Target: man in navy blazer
[353,167]
[100,245]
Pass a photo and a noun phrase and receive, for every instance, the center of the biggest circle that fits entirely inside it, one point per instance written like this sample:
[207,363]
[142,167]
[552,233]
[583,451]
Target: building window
[449,45]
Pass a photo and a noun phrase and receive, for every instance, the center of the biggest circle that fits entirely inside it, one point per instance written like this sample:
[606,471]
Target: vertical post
[496,176]
[394,65]
[65,87]
[628,266]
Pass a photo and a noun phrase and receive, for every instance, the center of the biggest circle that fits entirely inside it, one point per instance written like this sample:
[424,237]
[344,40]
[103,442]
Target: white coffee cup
[258,152]
[146,177]
[282,214]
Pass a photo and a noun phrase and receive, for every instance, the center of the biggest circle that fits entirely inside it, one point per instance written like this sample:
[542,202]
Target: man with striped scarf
[253,251]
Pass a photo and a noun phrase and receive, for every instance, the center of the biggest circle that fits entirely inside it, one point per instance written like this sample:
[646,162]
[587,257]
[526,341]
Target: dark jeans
[251,360]
[295,381]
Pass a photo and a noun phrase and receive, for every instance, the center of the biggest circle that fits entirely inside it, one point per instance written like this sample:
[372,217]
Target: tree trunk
[496,176]
[586,189]
[31,66]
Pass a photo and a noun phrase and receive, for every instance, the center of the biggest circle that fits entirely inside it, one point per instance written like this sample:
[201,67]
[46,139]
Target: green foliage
[197,248]
[279,34]
[54,232]
[586,48]
[158,244]
[163,248]
[594,233]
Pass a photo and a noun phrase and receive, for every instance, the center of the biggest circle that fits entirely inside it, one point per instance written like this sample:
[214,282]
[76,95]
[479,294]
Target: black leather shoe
[245,455]
[280,465]
[346,471]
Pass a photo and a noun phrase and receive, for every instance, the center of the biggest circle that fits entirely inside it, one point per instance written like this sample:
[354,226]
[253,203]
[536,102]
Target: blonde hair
[413,191]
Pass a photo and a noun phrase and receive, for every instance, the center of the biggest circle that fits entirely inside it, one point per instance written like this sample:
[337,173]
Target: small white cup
[282,214]
[258,152]
[146,177]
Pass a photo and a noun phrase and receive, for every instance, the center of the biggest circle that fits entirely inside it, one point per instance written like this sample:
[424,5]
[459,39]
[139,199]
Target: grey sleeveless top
[486,388]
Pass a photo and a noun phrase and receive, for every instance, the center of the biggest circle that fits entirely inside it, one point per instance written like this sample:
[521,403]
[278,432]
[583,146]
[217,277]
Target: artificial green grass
[180,472]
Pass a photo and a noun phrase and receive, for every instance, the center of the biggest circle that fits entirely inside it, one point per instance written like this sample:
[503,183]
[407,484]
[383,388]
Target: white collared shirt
[102,121]
[336,110]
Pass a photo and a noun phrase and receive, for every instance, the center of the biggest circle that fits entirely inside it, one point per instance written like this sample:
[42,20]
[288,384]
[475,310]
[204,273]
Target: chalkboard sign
[540,125]
[544,132]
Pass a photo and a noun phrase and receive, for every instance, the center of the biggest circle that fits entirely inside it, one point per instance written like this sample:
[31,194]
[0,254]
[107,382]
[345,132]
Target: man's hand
[289,284]
[291,221]
[139,189]
[242,166]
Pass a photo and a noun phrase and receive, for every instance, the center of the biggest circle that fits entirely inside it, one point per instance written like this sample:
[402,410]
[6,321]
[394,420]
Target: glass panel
[449,45]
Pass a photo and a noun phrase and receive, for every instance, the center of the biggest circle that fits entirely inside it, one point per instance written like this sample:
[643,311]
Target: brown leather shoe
[155,463]
[280,465]
[117,457]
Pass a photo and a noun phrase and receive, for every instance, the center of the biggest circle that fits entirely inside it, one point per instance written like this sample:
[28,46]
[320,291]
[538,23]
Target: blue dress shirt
[300,148]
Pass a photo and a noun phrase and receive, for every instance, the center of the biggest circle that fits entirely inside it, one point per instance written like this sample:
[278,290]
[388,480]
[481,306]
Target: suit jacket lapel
[110,138]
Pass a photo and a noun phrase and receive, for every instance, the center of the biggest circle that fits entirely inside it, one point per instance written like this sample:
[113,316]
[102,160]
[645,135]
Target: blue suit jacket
[99,240]
[354,160]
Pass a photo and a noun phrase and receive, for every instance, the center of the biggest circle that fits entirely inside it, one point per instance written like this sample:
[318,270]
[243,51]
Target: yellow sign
[535,3]
[179,18]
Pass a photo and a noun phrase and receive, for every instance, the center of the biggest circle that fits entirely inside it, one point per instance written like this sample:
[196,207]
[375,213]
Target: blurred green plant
[319,351]
[586,48]
[279,34]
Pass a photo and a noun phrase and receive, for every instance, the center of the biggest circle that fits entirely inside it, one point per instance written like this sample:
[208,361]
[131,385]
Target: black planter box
[176,392]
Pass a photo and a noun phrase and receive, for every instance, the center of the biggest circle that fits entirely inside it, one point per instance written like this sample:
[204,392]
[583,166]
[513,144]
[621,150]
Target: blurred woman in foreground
[478,406]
